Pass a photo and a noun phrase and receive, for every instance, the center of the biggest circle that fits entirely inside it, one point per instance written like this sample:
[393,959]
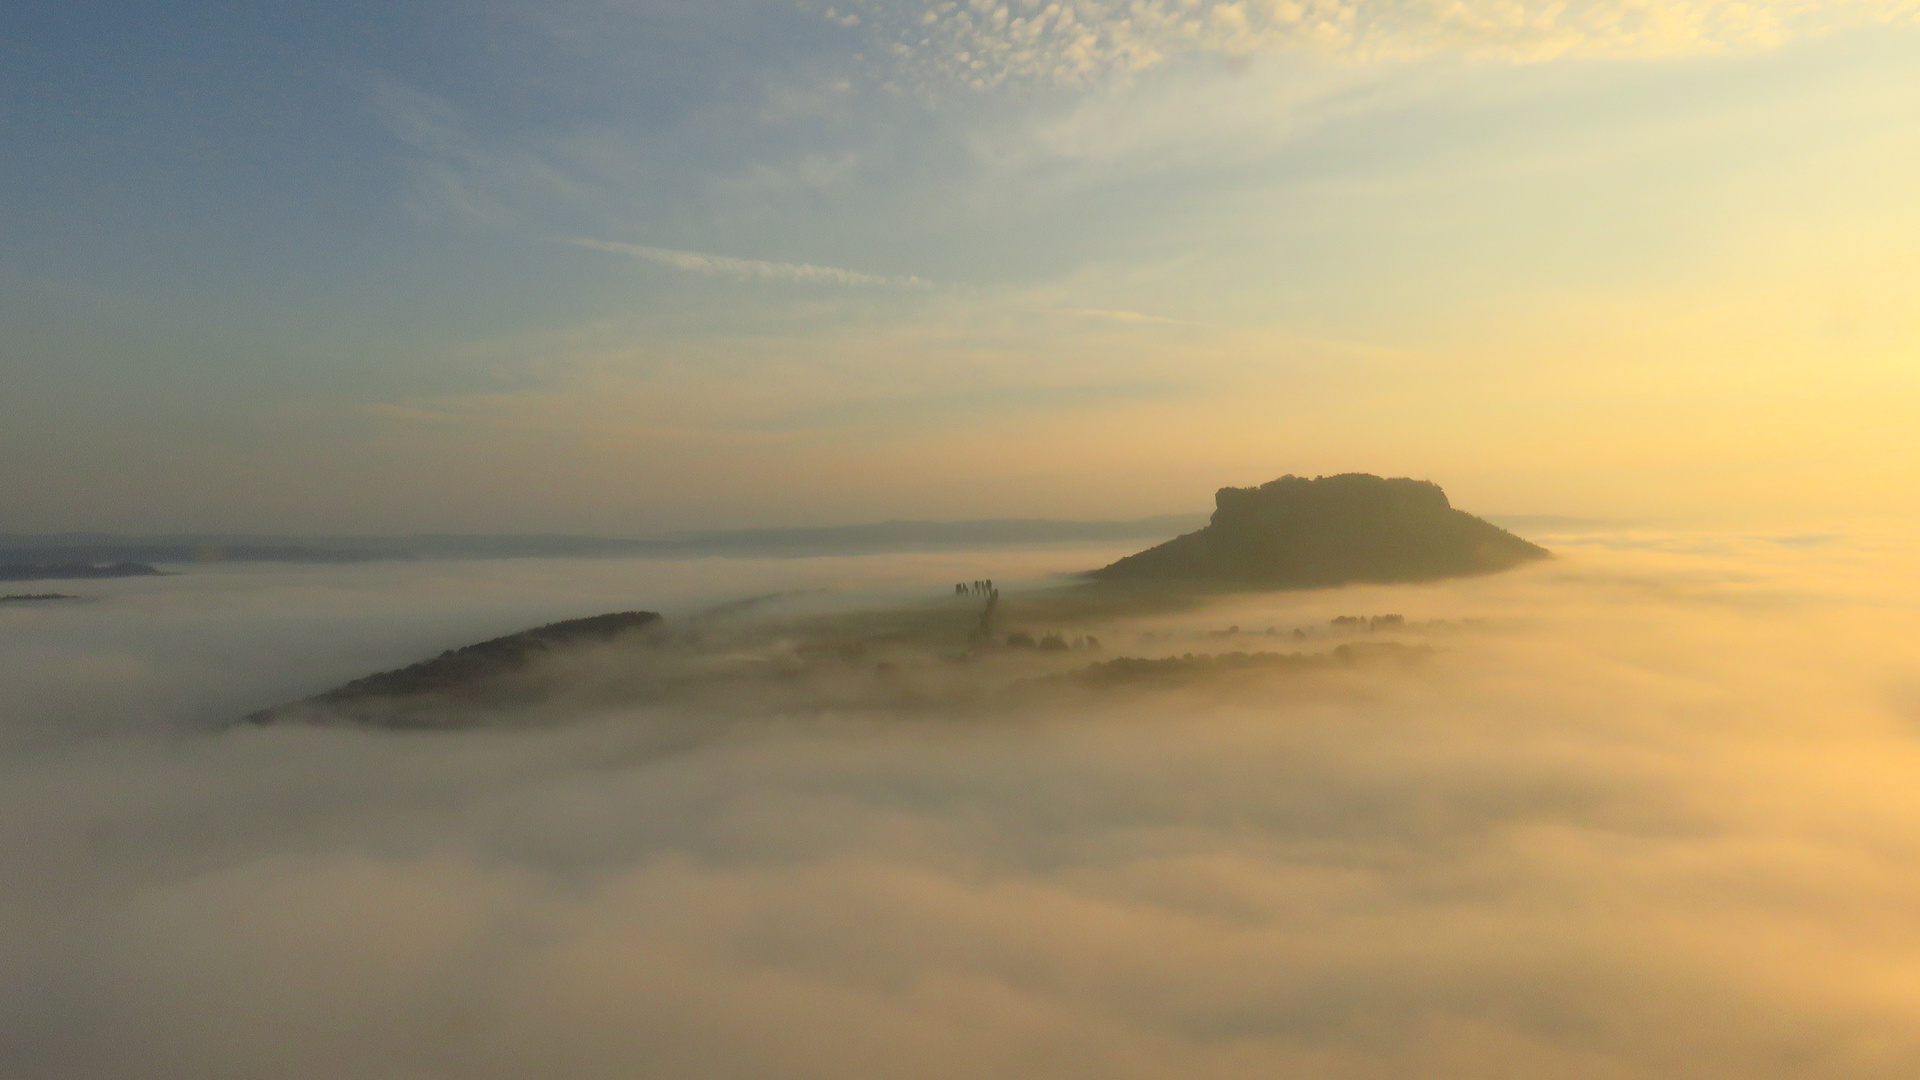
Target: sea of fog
[1657,815]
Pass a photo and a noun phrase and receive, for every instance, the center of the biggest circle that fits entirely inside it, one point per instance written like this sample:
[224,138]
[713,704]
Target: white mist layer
[1660,819]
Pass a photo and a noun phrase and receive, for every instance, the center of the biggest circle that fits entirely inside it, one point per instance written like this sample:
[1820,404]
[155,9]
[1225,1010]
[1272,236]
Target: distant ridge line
[869,538]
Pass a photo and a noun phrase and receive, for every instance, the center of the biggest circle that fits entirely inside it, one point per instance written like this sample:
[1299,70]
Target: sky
[630,267]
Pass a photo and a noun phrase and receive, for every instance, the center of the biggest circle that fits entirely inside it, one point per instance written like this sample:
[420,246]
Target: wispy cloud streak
[700,262]
[1116,316]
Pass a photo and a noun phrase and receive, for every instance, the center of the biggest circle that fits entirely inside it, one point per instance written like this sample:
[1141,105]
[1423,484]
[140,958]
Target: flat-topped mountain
[1296,533]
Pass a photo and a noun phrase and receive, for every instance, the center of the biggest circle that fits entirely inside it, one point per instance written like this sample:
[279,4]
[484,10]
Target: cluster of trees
[1196,666]
[1020,639]
[1369,622]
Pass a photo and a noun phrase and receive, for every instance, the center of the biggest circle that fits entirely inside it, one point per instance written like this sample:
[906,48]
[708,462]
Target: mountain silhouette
[1296,533]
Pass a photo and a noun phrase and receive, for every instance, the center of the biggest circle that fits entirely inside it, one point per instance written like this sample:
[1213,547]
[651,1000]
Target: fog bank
[1653,815]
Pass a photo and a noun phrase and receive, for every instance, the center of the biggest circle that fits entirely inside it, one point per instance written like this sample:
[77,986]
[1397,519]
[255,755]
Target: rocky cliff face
[1331,530]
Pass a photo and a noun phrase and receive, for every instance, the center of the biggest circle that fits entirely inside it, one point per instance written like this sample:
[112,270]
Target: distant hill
[922,535]
[1296,533]
[874,538]
[72,571]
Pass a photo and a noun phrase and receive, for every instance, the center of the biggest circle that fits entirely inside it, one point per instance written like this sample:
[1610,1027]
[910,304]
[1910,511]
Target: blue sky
[620,267]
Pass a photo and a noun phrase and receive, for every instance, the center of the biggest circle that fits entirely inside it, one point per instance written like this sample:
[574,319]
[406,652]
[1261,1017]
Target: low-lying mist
[1649,809]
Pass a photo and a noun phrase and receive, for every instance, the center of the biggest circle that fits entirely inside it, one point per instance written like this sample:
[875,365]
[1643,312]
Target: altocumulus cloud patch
[985,43]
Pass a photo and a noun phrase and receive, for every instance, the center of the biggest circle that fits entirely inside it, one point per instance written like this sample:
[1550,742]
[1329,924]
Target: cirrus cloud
[700,262]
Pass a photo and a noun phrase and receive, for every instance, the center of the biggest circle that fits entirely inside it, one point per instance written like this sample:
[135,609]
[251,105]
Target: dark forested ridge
[1295,533]
[458,670]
